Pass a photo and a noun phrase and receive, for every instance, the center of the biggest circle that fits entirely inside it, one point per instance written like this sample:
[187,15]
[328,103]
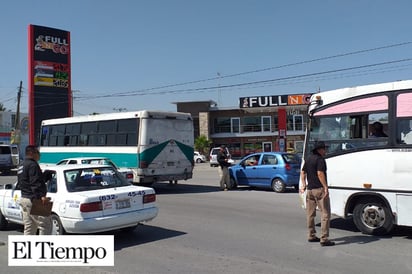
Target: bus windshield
[348,132]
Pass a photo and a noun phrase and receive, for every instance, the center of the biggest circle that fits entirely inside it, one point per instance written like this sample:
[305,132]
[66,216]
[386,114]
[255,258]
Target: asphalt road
[200,229]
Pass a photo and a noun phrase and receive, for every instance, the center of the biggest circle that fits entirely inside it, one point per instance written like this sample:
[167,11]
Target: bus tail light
[149,198]
[143,164]
[90,207]
[129,176]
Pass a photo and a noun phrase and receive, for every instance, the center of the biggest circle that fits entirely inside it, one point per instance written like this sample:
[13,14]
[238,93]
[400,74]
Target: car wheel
[198,160]
[3,222]
[373,217]
[278,185]
[233,183]
[57,227]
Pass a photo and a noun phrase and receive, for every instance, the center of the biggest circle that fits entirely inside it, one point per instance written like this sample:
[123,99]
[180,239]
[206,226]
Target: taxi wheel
[278,185]
[57,227]
[3,222]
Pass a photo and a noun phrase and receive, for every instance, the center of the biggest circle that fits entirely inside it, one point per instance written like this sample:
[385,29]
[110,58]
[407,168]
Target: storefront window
[252,124]
[222,124]
[266,126]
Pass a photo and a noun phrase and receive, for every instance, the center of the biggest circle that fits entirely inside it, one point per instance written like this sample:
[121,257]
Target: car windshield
[93,178]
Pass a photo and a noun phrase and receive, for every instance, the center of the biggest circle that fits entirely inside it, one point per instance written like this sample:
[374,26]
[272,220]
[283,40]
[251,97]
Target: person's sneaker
[327,243]
[314,240]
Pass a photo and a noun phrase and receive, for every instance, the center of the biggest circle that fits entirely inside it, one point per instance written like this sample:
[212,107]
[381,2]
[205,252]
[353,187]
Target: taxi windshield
[84,179]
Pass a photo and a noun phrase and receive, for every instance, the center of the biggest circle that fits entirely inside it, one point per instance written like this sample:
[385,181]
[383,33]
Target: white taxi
[86,199]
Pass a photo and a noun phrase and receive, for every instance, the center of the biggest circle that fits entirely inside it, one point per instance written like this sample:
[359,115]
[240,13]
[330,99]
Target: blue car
[273,170]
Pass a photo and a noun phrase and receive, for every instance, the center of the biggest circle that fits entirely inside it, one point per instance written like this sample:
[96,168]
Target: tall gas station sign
[49,77]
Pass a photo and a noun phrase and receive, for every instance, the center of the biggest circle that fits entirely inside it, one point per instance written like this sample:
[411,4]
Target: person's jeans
[315,198]
[34,222]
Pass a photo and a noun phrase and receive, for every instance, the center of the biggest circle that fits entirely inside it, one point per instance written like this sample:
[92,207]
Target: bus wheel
[278,185]
[373,217]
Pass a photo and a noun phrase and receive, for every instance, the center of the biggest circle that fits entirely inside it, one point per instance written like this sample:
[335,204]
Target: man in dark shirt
[31,181]
[313,178]
[377,130]
[222,159]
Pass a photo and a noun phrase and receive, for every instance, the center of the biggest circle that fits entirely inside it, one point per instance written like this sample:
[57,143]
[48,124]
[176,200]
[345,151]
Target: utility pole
[218,90]
[15,135]
[17,122]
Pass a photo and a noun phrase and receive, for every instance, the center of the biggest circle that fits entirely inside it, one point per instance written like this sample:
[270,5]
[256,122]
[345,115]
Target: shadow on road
[288,190]
[143,234]
[166,188]
[348,225]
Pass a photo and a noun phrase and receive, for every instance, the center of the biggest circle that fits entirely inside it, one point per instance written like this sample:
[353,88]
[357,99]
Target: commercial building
[8,132]
[260,123]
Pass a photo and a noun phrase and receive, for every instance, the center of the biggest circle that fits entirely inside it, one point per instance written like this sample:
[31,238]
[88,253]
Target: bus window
[404,135]
[107,126]
[378,125]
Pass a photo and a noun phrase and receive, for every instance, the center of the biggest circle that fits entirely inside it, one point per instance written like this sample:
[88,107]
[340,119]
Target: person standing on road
[31,181]
[314,173]
[223,159]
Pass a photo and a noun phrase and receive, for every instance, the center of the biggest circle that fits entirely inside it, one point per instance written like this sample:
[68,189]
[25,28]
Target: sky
[131,55]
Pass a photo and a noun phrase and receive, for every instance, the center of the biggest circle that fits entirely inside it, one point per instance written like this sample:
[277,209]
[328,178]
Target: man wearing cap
[314,179]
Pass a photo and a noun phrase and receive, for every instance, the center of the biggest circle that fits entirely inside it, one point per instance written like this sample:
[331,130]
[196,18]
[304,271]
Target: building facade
[262,123]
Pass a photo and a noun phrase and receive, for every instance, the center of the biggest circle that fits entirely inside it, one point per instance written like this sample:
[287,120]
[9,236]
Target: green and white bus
[156,146]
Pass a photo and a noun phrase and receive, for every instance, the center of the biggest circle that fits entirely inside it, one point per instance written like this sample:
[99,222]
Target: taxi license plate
[123,204]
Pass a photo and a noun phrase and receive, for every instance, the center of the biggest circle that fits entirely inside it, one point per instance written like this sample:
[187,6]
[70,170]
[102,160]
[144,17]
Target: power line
[251,83]
[256,71]
[269,82]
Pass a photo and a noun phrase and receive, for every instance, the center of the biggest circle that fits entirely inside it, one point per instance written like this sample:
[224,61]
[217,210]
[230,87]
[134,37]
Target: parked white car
[199,158]
[213,156]
[126,172]
[86,199]
[9,158]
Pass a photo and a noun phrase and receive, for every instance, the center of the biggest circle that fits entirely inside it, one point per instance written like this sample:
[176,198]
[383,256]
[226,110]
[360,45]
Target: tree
[202,143]
[2,108]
